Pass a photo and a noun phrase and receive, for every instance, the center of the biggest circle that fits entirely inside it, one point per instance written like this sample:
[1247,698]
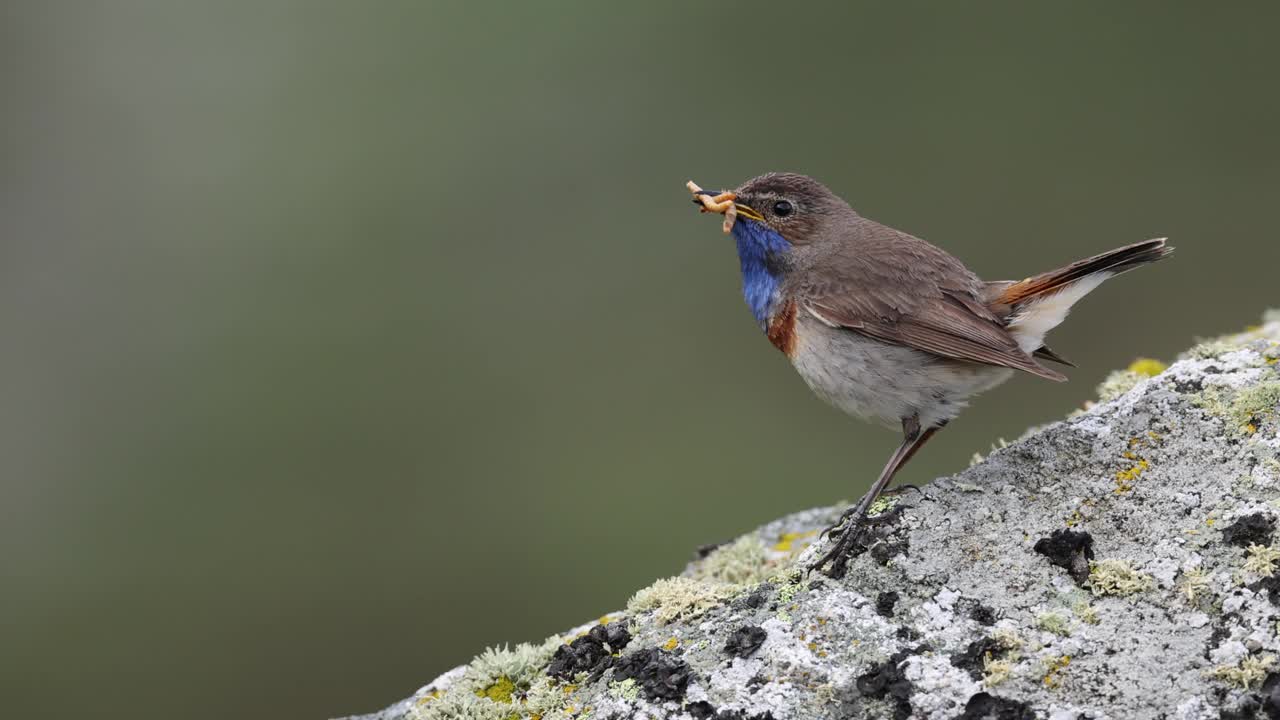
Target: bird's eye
[783,208]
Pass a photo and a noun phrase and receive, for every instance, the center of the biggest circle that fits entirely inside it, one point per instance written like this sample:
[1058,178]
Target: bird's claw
[840,553]
[837,528]
[848,532]
[721,203]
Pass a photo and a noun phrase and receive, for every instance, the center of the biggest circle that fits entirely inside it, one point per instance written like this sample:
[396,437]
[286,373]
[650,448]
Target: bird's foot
[721,203]
[849,542]
[853,533]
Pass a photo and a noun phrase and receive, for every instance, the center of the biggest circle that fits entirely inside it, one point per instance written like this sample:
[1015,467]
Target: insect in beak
[721,203]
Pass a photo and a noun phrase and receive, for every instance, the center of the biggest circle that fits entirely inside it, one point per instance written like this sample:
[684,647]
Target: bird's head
[772,217]
[794,207]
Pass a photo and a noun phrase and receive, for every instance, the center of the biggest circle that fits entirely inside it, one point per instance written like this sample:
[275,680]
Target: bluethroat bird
[884,325]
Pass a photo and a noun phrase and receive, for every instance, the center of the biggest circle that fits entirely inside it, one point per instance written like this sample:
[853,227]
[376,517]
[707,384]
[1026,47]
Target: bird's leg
[924,438]
[847,528]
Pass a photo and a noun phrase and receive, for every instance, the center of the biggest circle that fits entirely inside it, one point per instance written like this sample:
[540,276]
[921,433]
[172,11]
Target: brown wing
[901,290]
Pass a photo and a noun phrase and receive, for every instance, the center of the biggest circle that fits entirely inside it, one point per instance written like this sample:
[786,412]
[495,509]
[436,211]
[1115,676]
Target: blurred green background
[344,339]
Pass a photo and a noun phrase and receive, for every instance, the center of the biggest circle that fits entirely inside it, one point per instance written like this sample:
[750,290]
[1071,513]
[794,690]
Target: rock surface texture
[1122,563]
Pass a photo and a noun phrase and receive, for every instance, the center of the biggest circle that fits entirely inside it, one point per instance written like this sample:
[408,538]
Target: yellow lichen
[1249,673]
[500,690]
[671,644]
[1126,477]
[1147,367]
[1117,577]
[1261,560]
[786,541]
[1053,667]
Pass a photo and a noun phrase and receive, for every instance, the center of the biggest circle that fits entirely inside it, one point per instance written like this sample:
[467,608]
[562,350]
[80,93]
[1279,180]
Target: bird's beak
[724,203]
[747,212]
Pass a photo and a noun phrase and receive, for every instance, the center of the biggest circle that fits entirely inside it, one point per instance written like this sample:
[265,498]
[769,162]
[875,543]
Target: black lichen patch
[758,598]
[1070,550]
[703,710]
[886,682]
[591,653]
[745,641]
[885,602]
[971,660]
[1255,529]
[883,552]
[700,710]
[1187,387]
[741,715]
[702,551]
[1221,631]
[1271,696]
[660,675]
[985,706]
[1270,584]
[979,613]
[1246,709]
[906,632]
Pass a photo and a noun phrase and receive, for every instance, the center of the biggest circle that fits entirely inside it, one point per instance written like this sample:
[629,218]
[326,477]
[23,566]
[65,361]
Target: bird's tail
[1034,306]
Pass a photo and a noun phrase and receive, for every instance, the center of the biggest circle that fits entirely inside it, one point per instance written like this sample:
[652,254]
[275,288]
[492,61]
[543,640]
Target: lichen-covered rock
[1118,564]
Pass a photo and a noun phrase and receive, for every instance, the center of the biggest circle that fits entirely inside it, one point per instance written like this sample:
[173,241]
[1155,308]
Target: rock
[1118,563]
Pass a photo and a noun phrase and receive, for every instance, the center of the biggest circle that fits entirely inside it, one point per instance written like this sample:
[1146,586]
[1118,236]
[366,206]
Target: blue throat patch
[757,246]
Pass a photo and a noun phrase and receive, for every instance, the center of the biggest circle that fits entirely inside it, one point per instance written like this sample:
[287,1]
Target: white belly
[886,383]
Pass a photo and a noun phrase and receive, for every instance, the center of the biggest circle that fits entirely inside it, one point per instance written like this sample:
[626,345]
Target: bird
[888,327]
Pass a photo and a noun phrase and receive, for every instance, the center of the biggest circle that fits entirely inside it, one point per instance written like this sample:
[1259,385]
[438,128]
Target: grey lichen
[741,562]
[1054,622]
[1120,382]
[1087,613]
[677,598]
[499,684]
[1243,409]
